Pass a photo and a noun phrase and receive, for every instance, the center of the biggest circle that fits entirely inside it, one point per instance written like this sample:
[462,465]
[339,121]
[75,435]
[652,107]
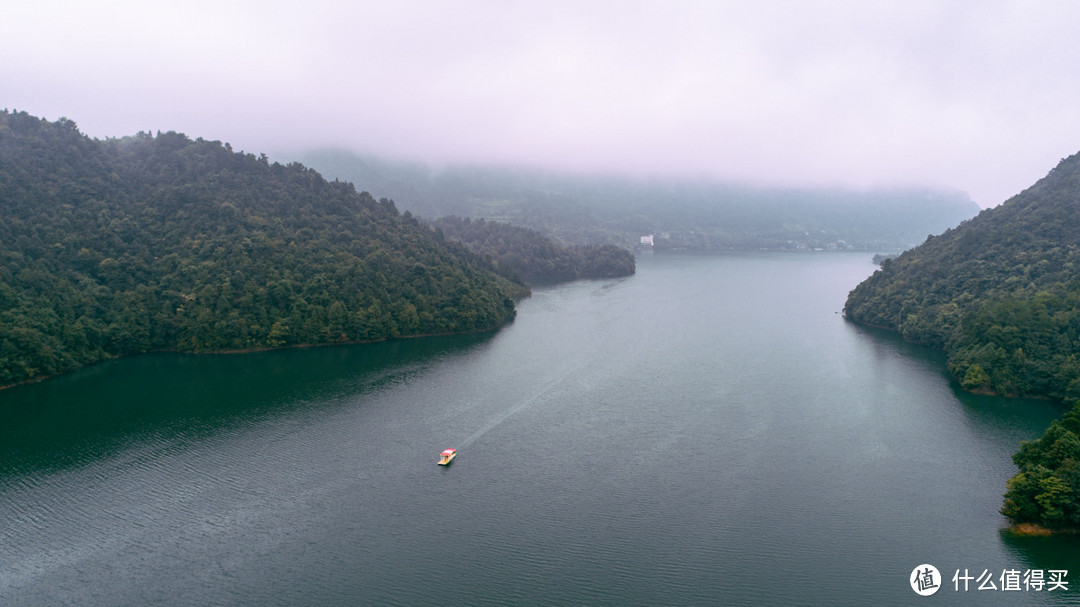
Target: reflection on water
[1005,421]
[1011,419]
[1045,552]
[88,414]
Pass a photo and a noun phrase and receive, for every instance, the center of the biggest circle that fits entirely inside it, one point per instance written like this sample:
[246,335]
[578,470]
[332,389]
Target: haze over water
[709,431]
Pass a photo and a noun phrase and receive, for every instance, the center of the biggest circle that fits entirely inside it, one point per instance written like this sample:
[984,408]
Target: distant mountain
[1000,294]
[167,243]
[701,215]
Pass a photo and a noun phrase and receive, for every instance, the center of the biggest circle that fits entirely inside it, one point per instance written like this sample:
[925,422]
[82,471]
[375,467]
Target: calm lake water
[707,432]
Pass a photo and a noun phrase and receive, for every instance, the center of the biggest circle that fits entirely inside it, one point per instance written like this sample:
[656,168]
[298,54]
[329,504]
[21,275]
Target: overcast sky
[982,96]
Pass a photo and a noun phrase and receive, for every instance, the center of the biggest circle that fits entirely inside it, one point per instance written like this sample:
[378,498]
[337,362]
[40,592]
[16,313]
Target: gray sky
[982,96]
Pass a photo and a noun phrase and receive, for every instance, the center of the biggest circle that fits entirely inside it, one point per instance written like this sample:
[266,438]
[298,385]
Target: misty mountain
[162,242]
[683,214]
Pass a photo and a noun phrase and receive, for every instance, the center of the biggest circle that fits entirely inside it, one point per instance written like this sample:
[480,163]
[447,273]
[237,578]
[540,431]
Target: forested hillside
[167,243]
[521,253]
[1000,294]
[683,214]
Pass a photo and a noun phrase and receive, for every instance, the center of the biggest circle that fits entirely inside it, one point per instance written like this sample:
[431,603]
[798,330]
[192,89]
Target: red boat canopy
[448,452]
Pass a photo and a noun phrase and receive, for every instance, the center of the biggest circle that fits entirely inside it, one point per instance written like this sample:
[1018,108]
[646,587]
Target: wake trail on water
[500,418]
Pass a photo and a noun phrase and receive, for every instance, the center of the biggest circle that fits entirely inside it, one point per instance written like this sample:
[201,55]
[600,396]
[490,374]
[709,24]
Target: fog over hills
[976,96]
[578,209]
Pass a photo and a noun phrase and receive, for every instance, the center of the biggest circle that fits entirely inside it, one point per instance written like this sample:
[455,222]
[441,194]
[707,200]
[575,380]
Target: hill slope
[999,293]
[149,243]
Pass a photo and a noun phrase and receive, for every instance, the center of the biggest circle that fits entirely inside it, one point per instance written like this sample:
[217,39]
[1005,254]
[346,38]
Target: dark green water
[707,432]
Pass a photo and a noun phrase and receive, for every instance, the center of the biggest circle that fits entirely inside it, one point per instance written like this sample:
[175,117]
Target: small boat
[447,456]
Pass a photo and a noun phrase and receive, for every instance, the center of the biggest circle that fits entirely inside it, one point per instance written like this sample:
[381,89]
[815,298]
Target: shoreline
[1037,530]
[41,378]
[953,378]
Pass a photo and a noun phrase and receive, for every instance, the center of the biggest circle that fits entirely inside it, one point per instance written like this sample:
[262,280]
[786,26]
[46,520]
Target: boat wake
[500,418]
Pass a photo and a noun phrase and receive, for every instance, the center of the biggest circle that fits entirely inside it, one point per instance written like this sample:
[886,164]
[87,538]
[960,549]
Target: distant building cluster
[839,245]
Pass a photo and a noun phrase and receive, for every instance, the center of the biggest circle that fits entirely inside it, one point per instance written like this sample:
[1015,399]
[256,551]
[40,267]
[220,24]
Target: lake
[709,431]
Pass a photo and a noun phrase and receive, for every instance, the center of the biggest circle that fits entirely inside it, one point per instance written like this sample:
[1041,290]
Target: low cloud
[974,96]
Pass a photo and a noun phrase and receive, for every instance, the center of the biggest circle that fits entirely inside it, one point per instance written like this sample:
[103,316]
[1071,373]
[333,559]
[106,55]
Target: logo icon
[925,580]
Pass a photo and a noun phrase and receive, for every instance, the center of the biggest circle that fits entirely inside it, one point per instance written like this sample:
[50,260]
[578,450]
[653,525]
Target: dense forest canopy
[682,214]
[163,242]
[1000,294]
[523,254]
[1046,490]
